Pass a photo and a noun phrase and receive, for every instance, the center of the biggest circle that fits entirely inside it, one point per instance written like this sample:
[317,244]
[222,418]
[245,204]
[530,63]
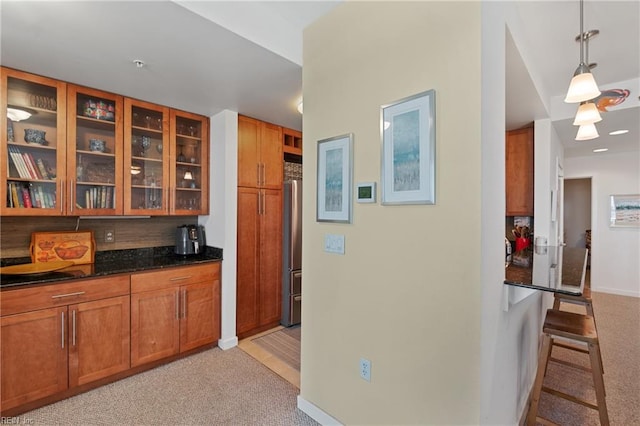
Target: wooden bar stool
[584,300]
[576,328]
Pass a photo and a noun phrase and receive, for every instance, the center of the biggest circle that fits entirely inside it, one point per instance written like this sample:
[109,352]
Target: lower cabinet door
[199,324]
[155,325]
[98,339]
[34,355]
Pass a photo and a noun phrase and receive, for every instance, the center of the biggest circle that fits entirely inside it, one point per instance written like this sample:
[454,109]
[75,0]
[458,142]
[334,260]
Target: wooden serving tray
[76,246]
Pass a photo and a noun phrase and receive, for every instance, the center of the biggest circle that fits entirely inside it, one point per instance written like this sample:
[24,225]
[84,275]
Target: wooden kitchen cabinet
[173,311]
[99,339]
[259,260]
[33,150]
[59,336]
[90,152]
[34,355]
[94,152]
[519,150]
[260,154]
[189,170]
[146,158]
[292,141]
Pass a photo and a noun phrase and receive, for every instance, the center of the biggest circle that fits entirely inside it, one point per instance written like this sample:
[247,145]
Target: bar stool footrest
[570,364]
[569,397]
[570,347]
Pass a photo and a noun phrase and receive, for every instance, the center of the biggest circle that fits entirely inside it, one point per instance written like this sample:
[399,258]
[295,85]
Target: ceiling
[246,56]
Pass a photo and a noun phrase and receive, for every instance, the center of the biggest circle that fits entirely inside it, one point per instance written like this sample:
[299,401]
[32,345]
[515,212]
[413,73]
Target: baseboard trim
[615,291]
[316,413]
[229,343]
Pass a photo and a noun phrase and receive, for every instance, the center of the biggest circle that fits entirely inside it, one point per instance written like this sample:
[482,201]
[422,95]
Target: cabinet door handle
[258,174]
[177,304]
[180,278]
[77,293]
[62,324]
[73,327]
[61,197]
[71,202]
[184,303]
[262,176]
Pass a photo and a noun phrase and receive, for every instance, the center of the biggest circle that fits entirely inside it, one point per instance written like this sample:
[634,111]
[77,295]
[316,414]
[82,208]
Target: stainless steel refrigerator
[292,253]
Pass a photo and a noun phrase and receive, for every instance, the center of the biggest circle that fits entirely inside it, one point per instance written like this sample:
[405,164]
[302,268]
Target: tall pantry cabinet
[259,258]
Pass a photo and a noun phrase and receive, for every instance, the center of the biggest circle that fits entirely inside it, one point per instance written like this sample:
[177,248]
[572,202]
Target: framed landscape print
[625,210]
[408,129]
[334,179]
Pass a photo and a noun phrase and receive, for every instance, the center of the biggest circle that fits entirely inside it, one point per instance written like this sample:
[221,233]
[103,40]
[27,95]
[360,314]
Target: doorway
[577,213]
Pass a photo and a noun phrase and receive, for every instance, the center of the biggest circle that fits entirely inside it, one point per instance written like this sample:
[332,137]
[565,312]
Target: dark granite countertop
[110,263]
[555,269]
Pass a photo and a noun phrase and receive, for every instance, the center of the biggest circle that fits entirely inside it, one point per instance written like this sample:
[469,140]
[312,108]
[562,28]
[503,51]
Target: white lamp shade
[188,175]
[582,88]
[587,132]
[587,113]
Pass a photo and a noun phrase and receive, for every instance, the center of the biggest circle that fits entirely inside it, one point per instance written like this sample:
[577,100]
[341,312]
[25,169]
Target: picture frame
[625,210]
[334,179]
[408,133]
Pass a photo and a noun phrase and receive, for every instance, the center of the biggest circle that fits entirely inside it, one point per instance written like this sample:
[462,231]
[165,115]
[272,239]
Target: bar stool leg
[537,386]
[598,381]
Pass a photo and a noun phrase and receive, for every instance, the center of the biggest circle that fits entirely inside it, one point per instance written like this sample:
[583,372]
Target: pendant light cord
[582,31]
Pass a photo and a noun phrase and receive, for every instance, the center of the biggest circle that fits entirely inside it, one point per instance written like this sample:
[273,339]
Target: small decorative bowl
[35,136]
[97,145]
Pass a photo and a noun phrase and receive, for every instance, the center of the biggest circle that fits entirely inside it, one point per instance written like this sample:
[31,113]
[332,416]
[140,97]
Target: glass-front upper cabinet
[94,152]
[190,157]
[32,144]
[146,153]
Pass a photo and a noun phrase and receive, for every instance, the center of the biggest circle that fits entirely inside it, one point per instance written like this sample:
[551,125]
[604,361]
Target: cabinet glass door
[146,158]
[32,170]
[94,152]
[190,172]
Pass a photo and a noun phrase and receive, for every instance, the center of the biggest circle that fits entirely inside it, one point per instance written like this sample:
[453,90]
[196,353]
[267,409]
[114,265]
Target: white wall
[577,211]
[221,223]
[615,251]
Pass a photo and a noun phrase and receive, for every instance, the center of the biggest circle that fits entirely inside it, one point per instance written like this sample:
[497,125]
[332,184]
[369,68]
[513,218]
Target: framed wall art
[625,210]
[334,179]
[408,128]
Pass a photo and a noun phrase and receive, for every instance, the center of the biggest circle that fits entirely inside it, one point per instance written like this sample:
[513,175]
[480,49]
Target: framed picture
[625,210]
[334,179]
[408,129]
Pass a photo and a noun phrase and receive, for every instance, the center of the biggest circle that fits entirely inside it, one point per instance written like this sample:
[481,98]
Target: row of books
[27,166]
[98,197]
[27,195]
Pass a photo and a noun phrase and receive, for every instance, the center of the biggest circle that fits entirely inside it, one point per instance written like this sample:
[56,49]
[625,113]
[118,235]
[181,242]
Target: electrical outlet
[365,369]
[109,236]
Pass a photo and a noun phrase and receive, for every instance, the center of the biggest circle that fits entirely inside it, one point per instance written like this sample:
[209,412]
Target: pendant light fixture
[587,112]
[587,132]
[583,86]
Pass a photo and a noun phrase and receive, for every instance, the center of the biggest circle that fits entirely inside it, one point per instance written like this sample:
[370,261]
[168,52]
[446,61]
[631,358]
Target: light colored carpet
[214,387]
[283,344]
[618,323]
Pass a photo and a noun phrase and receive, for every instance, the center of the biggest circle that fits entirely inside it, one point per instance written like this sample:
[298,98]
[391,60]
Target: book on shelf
[30,167]
[43,169]
[34,166]
[26,198]
[18,162]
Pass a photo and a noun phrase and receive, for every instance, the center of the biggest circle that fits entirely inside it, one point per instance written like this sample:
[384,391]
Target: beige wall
[407,292]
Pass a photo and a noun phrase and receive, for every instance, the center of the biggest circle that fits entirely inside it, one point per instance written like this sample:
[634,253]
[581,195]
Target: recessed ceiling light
[618,132]
[139,63]
[601,150]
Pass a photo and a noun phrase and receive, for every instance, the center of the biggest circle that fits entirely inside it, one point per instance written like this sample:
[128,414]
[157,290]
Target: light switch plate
[334,243]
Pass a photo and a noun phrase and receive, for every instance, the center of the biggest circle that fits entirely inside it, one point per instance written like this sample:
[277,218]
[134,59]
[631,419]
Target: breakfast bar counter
[110,263]
[548,268]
